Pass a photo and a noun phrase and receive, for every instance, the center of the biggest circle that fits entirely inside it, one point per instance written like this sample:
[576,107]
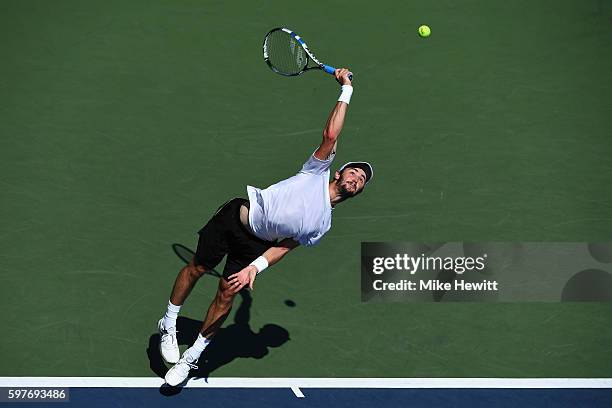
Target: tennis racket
[287,54]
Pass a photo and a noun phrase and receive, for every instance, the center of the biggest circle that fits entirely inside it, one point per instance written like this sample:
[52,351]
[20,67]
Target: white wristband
[260,263]
[345,96]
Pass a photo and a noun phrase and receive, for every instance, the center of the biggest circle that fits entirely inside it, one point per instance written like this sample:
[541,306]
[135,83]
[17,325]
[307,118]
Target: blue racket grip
[331,70]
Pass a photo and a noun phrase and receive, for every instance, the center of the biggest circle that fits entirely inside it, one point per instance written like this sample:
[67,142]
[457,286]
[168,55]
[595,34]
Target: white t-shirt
[296,208]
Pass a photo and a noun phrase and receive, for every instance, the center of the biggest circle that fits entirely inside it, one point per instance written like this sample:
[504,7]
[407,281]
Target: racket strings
[285,54]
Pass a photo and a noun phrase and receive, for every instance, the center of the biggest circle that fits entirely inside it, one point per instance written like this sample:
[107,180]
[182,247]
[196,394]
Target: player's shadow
[237,340]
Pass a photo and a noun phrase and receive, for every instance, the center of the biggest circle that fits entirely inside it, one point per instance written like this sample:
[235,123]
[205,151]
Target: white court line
[298,393]
[242,382]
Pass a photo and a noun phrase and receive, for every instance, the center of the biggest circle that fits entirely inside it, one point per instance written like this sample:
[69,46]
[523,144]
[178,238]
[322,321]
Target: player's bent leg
[185,281]
[217,313]
[213,245]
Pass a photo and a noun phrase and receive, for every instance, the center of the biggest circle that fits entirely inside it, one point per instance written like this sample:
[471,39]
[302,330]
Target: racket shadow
[186,255]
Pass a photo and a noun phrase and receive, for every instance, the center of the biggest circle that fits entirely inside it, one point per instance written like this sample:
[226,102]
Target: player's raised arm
[335,121]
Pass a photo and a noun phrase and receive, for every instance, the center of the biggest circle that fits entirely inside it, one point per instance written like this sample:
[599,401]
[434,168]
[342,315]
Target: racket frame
[329,69]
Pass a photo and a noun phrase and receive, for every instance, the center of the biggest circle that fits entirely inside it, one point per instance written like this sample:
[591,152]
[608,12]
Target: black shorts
[223,235]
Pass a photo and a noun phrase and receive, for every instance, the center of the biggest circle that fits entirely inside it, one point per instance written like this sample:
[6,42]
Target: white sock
[193,353]
[170,316]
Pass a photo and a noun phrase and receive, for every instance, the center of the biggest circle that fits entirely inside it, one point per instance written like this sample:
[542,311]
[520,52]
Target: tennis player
[258,232]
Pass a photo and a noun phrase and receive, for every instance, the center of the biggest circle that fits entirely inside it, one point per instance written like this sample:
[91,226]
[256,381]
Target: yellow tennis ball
[424,31]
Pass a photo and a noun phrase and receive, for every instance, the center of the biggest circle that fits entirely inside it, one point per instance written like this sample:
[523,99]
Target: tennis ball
[424,31]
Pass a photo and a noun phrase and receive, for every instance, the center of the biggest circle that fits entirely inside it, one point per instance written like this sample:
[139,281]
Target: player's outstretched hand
[240,279]
[342,76]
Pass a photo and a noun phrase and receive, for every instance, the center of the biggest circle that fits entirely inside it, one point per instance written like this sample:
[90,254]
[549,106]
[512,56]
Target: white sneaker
[168,344]
[180,371]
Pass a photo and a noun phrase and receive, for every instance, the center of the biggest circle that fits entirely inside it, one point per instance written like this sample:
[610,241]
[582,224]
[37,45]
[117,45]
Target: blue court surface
[272,397]
[324,392]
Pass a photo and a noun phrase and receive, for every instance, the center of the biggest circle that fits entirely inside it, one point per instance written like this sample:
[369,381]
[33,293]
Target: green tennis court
[124,125]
